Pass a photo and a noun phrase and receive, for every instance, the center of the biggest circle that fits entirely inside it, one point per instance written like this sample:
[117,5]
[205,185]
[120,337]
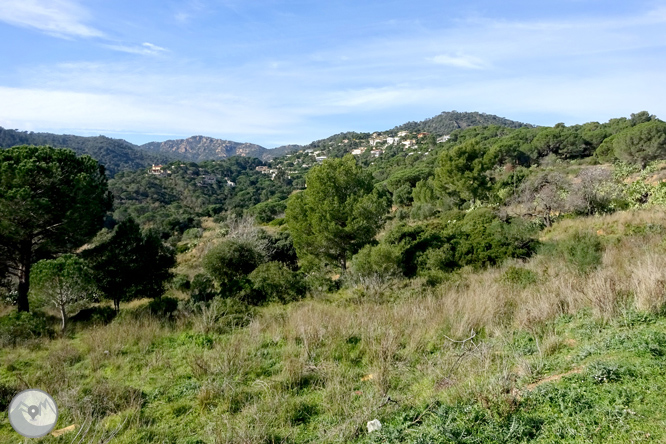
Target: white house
[443,139]
[403,133]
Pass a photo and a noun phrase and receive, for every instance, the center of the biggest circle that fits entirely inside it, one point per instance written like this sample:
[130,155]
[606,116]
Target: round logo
[33,413]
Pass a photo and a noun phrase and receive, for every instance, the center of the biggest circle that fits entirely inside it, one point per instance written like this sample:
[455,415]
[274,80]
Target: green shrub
[19,327]
[180,282]
[95,315]
[273,282]
[230,262]
[582,251]
[423,211]
[163,307]
[381,261]
[521,277]
[202,288]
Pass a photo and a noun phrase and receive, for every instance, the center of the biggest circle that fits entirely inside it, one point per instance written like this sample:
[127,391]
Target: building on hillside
[419,135]
[403,133]
[358,151]
[262,169]
[158,170]
[320,158]
[230,183]
[391,140]
[377,153]
[443,139]
[409,143]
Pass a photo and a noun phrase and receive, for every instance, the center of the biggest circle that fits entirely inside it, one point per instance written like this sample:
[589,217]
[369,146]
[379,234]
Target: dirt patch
[552,378]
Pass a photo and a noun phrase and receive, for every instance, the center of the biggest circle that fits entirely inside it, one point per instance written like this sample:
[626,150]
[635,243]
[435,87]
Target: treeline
[115,154]
[447,122]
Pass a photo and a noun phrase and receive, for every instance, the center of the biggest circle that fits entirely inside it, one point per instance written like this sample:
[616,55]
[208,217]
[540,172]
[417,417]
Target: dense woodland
[430,284]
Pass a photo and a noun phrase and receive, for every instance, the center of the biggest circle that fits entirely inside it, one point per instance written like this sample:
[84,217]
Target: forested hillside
[447,122]
[115,154]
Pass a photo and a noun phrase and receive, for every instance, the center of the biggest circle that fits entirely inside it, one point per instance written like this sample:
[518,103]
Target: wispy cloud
[143,49]
[188,11]
[62,18]
[458,61]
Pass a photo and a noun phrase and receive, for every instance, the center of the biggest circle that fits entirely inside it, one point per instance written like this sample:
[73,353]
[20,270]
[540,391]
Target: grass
[548,354]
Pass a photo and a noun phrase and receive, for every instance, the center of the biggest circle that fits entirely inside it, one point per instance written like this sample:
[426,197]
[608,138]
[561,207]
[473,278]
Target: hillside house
[409,143]
[391,140]
[230,183]
[419,135]
[443,139]
[158,170]
[403,133]
[321,158]
[262,169]
[377,153]
[358,151]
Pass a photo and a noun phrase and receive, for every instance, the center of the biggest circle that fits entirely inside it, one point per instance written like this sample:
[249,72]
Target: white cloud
[143,49]
[460,61]
[62,18]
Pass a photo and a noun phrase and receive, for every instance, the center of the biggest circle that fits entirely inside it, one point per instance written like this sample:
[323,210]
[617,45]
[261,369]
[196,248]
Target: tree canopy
[131,265]
[338,213]
[51,202]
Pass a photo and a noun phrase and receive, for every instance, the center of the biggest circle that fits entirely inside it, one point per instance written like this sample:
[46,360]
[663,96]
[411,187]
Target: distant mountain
[115,154]
[200,148]
[447,122]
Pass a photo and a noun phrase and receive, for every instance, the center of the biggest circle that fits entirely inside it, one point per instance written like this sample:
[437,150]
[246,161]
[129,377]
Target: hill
[200,148]
[447,122]
[115,154]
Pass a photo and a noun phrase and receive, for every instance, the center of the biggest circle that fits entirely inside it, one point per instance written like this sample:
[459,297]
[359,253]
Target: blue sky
[274,72]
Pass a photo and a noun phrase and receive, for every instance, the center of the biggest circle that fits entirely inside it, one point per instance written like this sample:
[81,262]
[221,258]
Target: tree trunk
[24,277]
[116,305]
[63,315]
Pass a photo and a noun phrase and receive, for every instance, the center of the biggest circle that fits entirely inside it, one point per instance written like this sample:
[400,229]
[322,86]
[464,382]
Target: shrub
[274,282]
[377,260]
[521,277]
[230,262]
[163,307]
[20,327]
[95,315]
[483,239]
[423,211]
[202,288]
[582,251]
[180,282]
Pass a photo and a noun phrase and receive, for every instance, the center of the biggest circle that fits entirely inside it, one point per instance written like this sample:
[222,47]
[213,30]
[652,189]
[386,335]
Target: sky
[277,72]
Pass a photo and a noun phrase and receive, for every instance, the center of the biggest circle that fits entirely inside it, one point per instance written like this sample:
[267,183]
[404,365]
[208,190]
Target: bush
[180,282]
[274,282]
[95,315]
[423,211]
[521,277]
[19,327]
[382,261]
[163,307]
[202,288]
[582,251]
[230,262]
